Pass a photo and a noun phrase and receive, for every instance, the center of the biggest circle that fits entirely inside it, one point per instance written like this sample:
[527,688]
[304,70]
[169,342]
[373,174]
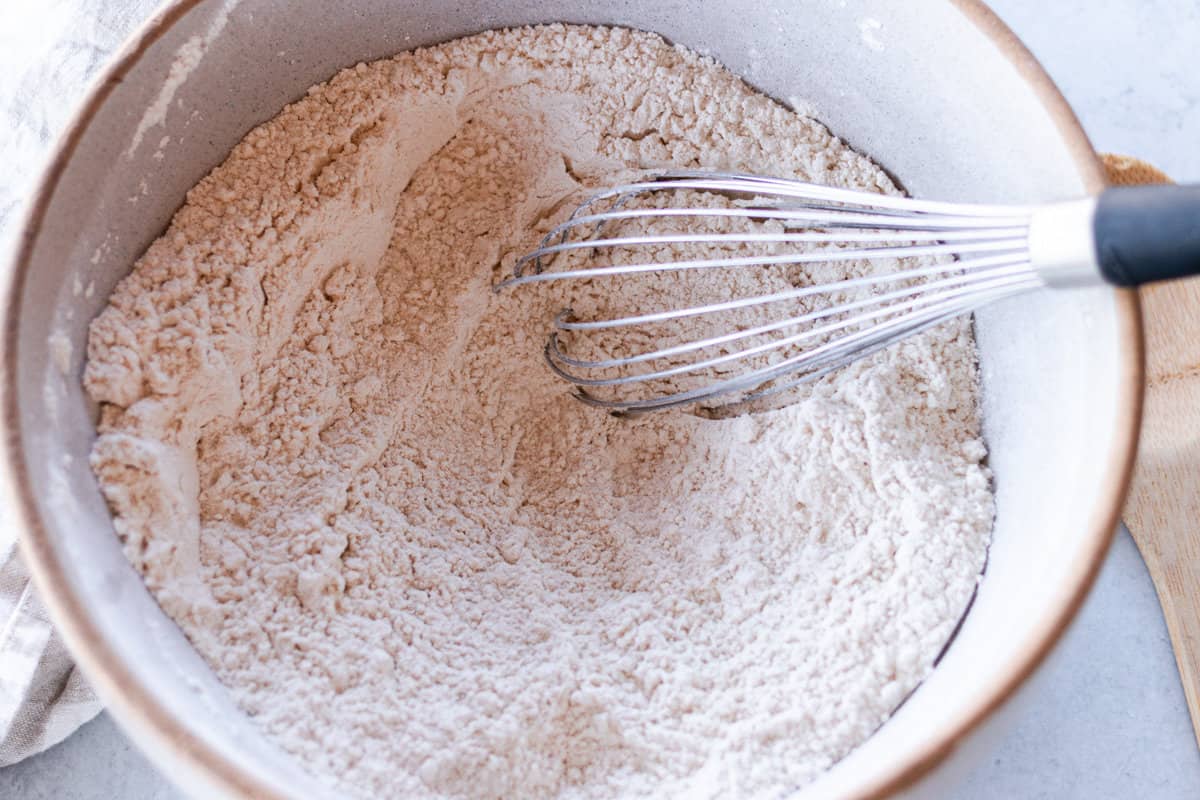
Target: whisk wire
[1014,244]
[956,285]
[812,364]
[565,323]
[797,192]
[556,355]
[980,254]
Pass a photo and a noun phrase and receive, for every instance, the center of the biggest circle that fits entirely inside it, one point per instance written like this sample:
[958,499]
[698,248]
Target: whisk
[931,261]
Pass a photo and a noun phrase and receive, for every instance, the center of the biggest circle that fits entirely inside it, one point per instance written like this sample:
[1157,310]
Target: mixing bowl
[939,92]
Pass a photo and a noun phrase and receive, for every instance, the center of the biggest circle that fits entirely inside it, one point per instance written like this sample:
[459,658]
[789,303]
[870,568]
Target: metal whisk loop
[969,255]
[956,286]
[812,364]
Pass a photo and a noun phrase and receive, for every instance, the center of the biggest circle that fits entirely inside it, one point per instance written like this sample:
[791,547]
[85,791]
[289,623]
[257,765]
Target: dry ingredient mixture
[420,566]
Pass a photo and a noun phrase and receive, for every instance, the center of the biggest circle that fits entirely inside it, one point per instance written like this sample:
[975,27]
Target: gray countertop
[1109,720]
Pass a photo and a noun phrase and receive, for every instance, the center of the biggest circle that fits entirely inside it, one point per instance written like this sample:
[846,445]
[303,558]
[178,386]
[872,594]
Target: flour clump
[423,569]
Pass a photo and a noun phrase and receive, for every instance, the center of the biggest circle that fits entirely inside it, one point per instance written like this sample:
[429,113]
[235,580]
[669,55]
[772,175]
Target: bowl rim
[171,744]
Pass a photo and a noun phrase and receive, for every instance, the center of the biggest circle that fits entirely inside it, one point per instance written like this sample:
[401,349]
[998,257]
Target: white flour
[341,466]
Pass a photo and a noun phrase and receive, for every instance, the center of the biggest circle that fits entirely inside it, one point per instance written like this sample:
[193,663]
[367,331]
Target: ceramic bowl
[937,91]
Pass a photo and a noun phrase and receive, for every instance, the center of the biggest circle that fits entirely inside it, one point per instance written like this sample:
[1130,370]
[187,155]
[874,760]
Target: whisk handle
[1148,233]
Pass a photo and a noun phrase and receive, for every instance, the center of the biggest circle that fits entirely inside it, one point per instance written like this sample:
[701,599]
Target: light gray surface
[1111,721]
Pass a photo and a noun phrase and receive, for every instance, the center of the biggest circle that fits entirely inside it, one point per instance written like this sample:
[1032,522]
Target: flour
[339,463]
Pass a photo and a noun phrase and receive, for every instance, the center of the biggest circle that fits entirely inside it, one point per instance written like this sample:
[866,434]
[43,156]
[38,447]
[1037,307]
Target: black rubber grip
[1148,233]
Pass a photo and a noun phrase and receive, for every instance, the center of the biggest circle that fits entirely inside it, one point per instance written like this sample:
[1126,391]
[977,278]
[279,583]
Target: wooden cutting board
[1163,508]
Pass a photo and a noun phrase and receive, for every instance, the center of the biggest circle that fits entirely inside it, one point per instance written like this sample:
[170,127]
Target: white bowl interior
[920,88]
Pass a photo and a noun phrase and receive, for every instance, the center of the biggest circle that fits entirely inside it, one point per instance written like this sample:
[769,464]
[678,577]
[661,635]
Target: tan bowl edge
[103,665]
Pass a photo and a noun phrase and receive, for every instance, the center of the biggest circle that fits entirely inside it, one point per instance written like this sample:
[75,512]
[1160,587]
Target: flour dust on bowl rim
[940,94]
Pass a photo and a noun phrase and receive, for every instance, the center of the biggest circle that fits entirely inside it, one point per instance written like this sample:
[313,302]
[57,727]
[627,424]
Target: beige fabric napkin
[43,697]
